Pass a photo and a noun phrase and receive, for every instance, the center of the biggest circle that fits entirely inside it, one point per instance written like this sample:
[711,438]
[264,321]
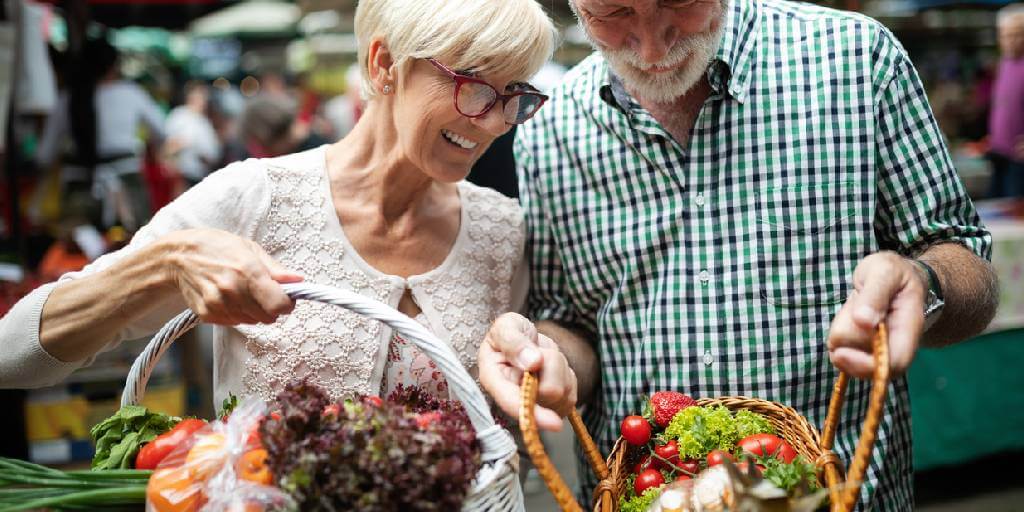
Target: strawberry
[665,405]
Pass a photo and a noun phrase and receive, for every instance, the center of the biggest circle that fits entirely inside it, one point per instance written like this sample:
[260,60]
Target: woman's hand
[513,346]
[226,279]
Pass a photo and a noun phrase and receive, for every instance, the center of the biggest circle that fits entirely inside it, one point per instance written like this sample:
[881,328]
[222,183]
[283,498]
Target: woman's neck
[371,169]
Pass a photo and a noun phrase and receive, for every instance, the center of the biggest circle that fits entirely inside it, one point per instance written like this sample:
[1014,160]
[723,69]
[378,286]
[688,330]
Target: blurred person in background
[192,148]
[225,107]
[385,212]
[1006,121]
[269,127]
[101,176]
[343,110]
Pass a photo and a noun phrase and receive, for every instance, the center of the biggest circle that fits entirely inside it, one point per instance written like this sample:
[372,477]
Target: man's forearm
[970,290]
[579,353]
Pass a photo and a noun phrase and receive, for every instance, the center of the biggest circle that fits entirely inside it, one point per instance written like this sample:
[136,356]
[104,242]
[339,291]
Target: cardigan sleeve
[233,199]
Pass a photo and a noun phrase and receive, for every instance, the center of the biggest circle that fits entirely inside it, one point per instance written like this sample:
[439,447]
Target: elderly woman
[384,212]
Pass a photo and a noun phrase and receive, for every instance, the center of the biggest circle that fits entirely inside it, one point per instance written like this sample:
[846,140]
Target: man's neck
[679,116]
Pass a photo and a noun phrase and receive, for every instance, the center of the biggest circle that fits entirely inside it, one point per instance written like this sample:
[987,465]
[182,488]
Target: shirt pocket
[809,242]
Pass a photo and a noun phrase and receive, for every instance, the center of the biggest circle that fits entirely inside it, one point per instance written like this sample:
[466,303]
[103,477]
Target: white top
[121,108]
[285,205]
[200,145]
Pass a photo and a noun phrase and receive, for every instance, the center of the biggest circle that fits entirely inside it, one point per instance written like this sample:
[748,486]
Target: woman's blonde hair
[504,37]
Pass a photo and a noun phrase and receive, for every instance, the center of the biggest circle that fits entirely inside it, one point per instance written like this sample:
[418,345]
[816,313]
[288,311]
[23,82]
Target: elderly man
[727,199]
[1006,118]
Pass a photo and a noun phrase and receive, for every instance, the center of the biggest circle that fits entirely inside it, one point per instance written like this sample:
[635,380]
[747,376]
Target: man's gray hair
[1008,13]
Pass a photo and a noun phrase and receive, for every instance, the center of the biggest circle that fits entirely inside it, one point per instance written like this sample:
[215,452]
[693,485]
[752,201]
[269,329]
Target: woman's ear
[381,66]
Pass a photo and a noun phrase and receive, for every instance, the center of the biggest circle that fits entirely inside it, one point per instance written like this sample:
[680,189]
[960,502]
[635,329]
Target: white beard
[697,50]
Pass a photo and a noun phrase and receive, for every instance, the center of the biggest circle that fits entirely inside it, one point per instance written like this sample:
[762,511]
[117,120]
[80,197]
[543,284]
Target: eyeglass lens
[474,99]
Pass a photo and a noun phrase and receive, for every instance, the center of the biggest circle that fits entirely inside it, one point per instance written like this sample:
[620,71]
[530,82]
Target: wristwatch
[933,301]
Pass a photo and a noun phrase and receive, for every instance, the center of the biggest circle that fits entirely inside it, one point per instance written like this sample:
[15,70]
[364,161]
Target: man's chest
[769,207]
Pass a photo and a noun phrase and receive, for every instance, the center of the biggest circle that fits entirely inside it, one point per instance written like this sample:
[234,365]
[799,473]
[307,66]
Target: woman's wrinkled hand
[226,279]
[512,346]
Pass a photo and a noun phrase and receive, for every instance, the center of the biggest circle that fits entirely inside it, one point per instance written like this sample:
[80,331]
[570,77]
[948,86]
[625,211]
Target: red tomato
[669,453]
[682,477]
[153,452]
[764,445]
[644,463]
[717,456]
[690,466]
[647,479]
[636,430]
[373,400]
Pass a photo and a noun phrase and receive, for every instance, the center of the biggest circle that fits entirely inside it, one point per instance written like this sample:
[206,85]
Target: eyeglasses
[475,98]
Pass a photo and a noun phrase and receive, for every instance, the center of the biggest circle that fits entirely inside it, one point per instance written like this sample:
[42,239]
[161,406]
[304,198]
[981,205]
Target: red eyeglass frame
[462,79]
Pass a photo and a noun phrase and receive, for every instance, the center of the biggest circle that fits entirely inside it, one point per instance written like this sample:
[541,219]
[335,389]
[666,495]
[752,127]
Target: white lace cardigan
[285,205]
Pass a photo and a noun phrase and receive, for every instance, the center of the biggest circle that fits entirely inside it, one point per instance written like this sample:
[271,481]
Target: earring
[386,89]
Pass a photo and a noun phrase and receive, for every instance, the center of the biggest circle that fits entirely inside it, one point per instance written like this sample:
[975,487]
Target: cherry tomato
[644,463]
[764,445]
[682,477]
[690,466]
[153,452]
[717,456]
[647,479]
[669,453]
[636,430]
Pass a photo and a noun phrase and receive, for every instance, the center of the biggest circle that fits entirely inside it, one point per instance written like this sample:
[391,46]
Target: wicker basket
[496,487]
[789,424]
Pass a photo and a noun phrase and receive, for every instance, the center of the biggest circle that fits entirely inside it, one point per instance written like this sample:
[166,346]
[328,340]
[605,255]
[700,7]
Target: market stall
[965,399]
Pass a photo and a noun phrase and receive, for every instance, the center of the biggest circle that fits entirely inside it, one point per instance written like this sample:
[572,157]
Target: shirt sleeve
[548,297]
[920,196]
[232,199]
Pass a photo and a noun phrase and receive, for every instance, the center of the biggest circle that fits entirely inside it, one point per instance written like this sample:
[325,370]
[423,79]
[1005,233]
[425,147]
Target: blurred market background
[216,81]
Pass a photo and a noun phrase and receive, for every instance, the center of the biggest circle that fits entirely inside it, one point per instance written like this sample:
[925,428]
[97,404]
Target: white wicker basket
[496,487]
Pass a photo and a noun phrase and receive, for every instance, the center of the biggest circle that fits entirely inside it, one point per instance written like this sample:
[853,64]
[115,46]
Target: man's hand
[513,346]
[887,288]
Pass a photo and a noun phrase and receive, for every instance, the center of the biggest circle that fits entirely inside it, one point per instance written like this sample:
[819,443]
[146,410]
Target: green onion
[93,497]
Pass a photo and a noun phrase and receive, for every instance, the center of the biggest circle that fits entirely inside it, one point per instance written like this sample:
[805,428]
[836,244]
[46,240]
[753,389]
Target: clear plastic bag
[222,467]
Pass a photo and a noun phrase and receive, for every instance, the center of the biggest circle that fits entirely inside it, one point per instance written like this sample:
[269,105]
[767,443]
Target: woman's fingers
[229,280]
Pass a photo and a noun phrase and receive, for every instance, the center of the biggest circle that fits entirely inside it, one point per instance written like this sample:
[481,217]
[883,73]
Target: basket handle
[496,443]
[844,496]
[534,446]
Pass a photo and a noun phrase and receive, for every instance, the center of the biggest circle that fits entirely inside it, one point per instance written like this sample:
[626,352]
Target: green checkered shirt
[715,268]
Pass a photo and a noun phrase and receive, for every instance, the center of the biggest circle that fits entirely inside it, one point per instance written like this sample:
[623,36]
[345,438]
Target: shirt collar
[729,71]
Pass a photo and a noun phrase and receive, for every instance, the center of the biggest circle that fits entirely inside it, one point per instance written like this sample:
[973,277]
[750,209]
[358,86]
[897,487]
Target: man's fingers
[905,322]
[878,284]
[502,381]
[499,379]
[856,363]
[887,288]
[516,337]
[547,419]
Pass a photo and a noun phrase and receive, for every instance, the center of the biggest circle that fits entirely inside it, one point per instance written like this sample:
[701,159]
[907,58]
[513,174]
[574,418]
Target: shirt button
[699,200]
[705,276]
[708,358]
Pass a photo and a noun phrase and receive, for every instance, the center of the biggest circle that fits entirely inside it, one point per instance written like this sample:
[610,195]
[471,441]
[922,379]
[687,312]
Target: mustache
[679,52]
